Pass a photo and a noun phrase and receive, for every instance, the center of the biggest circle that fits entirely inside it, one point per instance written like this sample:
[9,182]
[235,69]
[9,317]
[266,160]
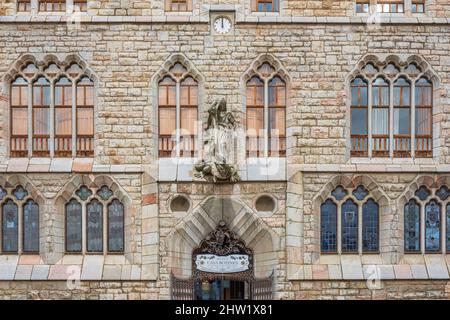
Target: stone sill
[63,165]
[355,267]
[95,267]
[370,167]
[275,19]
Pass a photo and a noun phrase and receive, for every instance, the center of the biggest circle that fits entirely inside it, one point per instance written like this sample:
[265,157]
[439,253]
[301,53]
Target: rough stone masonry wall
[316,57]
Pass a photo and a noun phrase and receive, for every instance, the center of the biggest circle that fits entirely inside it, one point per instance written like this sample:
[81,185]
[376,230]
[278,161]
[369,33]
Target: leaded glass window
[10,227]
[360,192]
[94,237]
[115,226]
[339,193]
[73,226]
[447,232]
[432,227]
[20,193]
[443,193]
[84,193]
[370,226]
[412,226]
[349,218]
[31,227]
[422,193]
[328,225]
[104,193]
[3,193]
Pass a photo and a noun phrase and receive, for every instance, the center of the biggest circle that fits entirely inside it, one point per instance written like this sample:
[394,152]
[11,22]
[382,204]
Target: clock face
[222,25]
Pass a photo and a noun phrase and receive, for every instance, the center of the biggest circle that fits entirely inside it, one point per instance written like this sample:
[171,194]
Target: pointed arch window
[10,226]
[266,113]
[424,120]
[396,121]
[178,113]
[350,222]
[402,118]
[63,117]
[19,118]
[52,118]
[85,118]
[31,227]
[359,122]
[41,117]
[412,226]
[432,226]
[95,222]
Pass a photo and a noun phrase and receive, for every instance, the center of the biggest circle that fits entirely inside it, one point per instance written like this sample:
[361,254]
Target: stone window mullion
[360,246]
[105,227]
[74,119]
[413,119]
[339,228]
[30,120]
[266,118]
[83,228]
[369,119]
[422,227]
[391,119]
[178,117]
[20,228]
[51,143]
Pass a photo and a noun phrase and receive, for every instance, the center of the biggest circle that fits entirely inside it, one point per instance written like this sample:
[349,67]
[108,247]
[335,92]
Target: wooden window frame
[404,138]
[188,139]
[385,138]
[82,5]
[59,138]
[281,152]
[416,4]
[19,140]
[56,5]
[178,5]
[428,137]
[389,4]
[261,151]
[359,140]
[362,6]
[40,138]
[84,143]
[23,6]
[255,4]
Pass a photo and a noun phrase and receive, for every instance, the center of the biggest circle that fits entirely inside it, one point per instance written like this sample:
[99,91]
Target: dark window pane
[20,193]
[105,193]
[447,232]
[115,227]
[31,227]
[10,221]
[422,193]
[349,226]
[83,193]
[412,227]
[370,226]
[443,193]
[359,121]
[3,193]
[360,192]
[339,193]
[401,120]
[94,226]
[73,226]
[328,226]
[432,226]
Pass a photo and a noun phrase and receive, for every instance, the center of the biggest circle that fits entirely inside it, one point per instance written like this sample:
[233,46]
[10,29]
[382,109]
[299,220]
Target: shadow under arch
[191,230]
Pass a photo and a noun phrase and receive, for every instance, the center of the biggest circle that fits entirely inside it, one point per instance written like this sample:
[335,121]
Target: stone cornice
[251,19]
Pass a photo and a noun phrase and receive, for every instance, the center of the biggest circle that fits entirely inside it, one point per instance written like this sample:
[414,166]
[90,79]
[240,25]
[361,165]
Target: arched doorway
[222,270]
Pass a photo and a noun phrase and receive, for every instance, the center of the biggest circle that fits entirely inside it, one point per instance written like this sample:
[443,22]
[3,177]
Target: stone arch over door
[252,230]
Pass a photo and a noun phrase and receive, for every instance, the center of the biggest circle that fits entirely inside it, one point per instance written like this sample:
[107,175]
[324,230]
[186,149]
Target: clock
[222,25]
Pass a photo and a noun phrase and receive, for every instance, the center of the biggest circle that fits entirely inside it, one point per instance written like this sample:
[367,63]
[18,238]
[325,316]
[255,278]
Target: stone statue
[218,146]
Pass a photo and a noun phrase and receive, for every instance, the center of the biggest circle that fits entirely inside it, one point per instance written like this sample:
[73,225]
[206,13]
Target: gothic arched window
[10,226]
[340,217]
[412,226]
[61,112]
[103,216]
[31,227]
[266,113]
[384,125]
[177,113]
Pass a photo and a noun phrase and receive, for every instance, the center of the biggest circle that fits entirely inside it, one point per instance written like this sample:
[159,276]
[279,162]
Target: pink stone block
[30,259]
[320,272]
[403,271]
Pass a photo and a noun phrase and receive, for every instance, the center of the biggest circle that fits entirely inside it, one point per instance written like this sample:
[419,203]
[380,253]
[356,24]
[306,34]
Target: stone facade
[316,45]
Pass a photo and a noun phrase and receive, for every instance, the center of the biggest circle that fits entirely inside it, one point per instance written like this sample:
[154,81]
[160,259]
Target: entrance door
[221,289]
